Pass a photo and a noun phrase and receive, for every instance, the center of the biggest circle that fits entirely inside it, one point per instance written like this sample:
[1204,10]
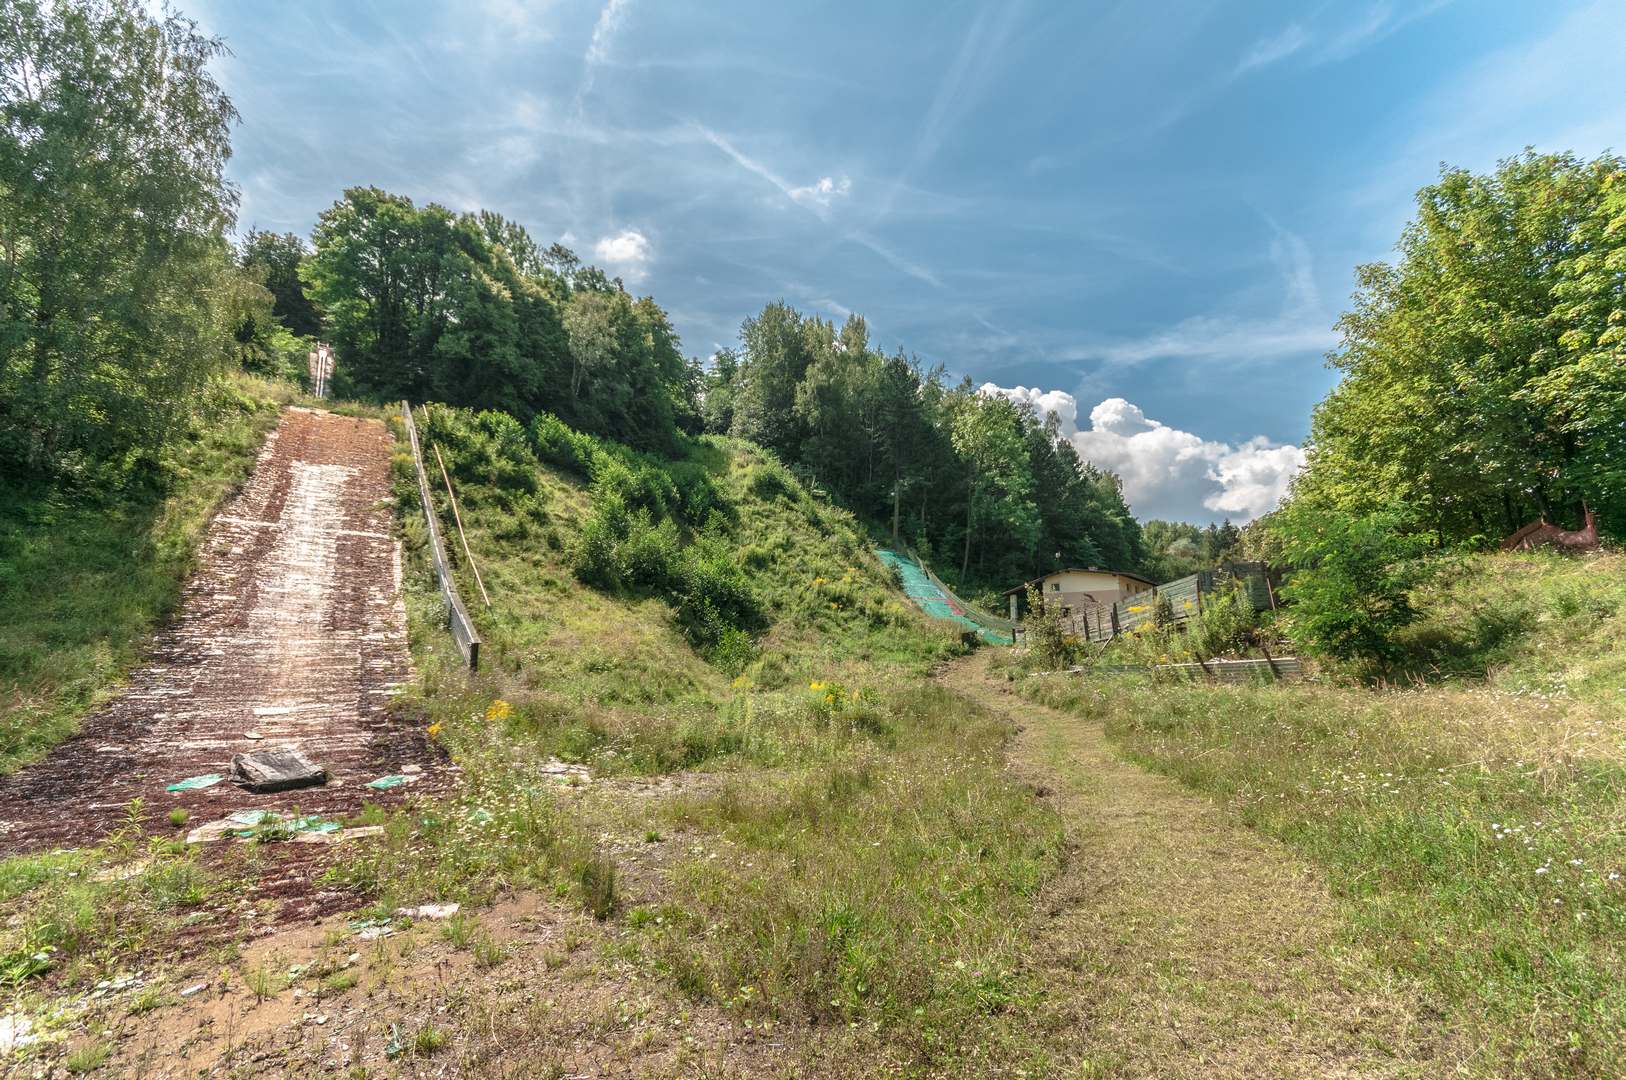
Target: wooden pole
[1269,660]
[457,517]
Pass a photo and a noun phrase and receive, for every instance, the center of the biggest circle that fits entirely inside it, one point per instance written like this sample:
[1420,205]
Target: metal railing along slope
[457,616]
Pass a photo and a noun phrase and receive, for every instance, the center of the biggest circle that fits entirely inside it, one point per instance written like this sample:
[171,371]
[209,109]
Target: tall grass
[1475,836]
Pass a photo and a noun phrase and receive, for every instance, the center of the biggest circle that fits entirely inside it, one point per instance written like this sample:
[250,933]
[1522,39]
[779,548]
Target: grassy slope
[1474,827]
[829,837]
[85,578]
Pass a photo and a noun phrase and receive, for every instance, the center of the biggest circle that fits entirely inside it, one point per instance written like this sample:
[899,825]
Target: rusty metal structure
[1542,534]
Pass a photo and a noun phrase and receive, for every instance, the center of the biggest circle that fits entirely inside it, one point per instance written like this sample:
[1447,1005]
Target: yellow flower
[815,686]
[741,683]
[434,730]
[499,710]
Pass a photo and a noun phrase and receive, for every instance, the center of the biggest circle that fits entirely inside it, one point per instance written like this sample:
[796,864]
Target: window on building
[1055,586]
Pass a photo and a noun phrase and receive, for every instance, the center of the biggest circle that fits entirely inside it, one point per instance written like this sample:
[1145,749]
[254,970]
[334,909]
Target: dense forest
[983,487]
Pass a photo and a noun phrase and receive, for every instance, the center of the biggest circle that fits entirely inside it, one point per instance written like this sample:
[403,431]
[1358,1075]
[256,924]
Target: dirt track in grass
[1178,943]
[291,629]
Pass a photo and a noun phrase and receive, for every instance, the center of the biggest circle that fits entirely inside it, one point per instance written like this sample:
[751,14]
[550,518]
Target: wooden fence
[1185,597]
[1274,668]
[457,617]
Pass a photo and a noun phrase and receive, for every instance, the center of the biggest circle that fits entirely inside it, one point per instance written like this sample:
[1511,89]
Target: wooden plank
[457,617]
[457,516]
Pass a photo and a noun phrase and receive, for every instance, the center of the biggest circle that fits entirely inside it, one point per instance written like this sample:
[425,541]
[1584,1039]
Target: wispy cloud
[1302,324]
[817,196]
[518,20]
[1267,51]
[598,49]
[895,260]
[822,191]
[609,21]
[1347,32]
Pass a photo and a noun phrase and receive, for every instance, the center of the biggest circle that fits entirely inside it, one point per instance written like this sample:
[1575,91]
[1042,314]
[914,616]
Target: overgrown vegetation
[857,835]
[81,912]
[85,575]
[1467,828]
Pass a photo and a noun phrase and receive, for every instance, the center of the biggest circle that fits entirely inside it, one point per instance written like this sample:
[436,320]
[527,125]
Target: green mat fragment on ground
[195,783]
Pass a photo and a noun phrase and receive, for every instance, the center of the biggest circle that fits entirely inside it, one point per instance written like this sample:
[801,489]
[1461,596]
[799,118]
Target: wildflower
[499,710]
[1541,869]
[815,686]
[434,730]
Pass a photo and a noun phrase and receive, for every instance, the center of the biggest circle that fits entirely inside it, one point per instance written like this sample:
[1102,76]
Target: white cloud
[1277,47]
[517,20]
[626,253]
[821,191]
[1166,472]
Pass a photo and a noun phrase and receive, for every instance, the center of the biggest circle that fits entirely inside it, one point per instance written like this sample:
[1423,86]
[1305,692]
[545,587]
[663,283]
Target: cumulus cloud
[627,253]
[1166,472]
[821,191]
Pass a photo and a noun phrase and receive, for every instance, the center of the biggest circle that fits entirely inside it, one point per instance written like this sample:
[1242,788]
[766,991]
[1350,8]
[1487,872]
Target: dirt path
[292,629]
[1177,943]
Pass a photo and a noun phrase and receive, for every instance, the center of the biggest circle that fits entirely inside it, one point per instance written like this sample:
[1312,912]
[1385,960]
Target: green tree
[274,259]
[987,433]
[113,209]
[1352,578]
[1474,386]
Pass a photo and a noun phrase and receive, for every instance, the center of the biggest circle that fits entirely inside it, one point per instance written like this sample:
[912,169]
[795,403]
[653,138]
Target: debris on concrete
[384,783]
[122,872]
[254,735]
[282,768]
[195,989]
[195,783]
[566,773]
[16,1031]
[428,911]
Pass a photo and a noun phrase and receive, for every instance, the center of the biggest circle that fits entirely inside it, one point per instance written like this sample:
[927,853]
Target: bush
[1047,640]
[1353,574]
[556,443]
[1226,623]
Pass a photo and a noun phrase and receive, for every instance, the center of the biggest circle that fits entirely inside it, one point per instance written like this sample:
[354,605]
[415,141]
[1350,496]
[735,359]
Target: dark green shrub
[557,443]
[1352,577]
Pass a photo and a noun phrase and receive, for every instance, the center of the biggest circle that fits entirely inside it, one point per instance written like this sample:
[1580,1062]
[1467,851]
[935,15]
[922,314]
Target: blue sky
[1147,218]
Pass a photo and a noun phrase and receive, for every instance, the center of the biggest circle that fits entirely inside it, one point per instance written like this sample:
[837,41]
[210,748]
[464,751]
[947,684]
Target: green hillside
[739,675]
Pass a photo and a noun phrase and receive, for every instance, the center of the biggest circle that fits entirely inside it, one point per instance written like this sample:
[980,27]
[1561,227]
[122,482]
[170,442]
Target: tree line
[424,304]
[985,488]
[123,297]
[1484,370]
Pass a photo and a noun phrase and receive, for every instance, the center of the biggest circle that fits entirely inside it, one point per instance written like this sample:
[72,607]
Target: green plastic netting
[934,601]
